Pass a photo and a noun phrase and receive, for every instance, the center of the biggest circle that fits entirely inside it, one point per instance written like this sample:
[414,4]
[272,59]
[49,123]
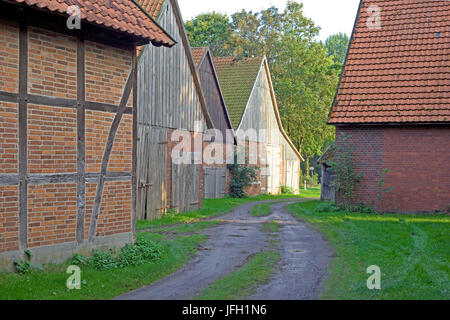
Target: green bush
[103,260]
[326,207]
[241,177]
[142,251]
[21,266]
[287,190]
[130,255]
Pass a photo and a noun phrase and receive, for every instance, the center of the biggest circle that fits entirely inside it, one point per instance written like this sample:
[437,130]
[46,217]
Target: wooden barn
[250,99]
[392,108]
[171,103]
[68,126]
[219,142]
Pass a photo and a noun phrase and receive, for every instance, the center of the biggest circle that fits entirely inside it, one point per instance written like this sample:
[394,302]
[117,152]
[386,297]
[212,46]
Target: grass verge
[243,282]
[261,210]
[270,226]
[50,283]
[412,252]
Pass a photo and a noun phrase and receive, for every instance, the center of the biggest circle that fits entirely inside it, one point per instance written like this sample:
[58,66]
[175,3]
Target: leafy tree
[304,75]
[210,30]
[337,45]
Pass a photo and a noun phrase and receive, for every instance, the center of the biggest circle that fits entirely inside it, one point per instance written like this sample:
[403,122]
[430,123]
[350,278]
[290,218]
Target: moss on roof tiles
[237,78]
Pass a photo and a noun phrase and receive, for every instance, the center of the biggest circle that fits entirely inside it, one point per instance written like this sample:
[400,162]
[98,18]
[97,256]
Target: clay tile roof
[198,54]
[120,15]
[237,78]
[151,6]
[399,73]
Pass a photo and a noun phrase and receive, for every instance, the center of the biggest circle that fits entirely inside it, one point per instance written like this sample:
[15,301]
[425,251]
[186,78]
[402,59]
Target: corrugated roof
[399,73]
[237,78]
[120,15]
[198,54]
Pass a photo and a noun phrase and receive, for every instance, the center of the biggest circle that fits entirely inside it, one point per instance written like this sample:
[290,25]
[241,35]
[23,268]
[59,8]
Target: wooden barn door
[292,174]
[152,159]
[214,185]
[185,187]
[274,168]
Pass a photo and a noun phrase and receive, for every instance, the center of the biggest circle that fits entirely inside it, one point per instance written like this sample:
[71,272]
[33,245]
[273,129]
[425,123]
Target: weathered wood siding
[167,92]
[168,100]
[215,182]
[260,114]
[328,190]
[211,90]
[152,168]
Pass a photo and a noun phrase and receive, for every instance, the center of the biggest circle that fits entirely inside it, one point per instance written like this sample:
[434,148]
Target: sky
[332,16]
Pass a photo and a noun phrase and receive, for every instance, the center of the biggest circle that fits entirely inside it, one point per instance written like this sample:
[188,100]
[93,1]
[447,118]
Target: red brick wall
[52,62]
[98,125]
[417,158]
[9,218]
[107,71]
[9,138]
[52,139]
[115,212]
[52,214]
[9,56]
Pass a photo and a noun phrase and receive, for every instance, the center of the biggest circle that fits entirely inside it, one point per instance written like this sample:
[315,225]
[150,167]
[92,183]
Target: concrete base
[59,253]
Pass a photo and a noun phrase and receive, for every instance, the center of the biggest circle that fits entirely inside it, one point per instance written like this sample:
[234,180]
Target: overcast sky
[332,16]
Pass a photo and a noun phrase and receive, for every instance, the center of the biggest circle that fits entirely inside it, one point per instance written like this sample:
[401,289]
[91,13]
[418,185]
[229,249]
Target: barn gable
[212,90]
[170,93]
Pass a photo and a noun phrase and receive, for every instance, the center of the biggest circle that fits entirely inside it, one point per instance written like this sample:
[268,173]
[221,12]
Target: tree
[211,30]
[304,76]
[337,45]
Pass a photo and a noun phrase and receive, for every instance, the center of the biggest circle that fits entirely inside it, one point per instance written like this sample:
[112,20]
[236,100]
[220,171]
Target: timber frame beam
[22,179]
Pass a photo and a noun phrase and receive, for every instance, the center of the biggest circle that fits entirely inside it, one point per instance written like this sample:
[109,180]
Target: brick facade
[52,145]
[412,160]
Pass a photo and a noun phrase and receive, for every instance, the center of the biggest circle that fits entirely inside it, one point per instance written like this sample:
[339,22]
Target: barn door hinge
[145,185]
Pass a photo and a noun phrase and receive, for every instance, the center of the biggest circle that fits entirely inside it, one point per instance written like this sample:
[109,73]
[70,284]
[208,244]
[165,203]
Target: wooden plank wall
[215,180]
[211,90]
[168,95]
[167,99]
[259,114]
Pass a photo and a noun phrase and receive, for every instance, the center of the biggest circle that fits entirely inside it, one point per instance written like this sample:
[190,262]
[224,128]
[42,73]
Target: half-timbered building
[68,125]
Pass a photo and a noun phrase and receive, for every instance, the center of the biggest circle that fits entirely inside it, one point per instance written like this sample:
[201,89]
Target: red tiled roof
[151,6]
[120,15]
[198,54]
[401,72]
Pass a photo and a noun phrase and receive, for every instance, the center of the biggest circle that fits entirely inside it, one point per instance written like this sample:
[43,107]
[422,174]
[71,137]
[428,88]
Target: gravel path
[299,275]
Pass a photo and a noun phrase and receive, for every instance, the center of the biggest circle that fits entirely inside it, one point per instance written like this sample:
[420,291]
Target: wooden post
[81,142]
[23,133]
[135,143]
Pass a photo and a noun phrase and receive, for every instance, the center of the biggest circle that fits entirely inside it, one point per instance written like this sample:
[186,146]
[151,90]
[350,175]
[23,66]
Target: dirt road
[298,275]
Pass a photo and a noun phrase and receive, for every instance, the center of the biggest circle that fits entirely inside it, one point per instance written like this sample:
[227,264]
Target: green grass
[243,282]
[51,283]
[211,208]
[185,228]
[310,193]
[412,251]
[270,226]
[261,210]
